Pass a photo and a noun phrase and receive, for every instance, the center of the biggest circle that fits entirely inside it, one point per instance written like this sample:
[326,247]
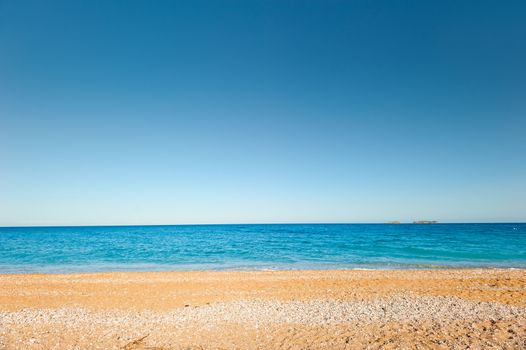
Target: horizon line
[278,223]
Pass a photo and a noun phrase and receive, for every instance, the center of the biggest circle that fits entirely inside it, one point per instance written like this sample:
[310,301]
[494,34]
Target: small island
[425,222]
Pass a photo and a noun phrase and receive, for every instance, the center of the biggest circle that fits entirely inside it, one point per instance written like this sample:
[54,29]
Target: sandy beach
[392,309]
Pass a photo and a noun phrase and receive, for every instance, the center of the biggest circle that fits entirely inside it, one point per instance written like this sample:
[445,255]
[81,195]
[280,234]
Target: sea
[261,247]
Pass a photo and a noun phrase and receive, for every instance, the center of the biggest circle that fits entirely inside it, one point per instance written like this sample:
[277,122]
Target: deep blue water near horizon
[252,247]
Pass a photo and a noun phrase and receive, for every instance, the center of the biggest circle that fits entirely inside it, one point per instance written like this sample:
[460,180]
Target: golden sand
[265,310]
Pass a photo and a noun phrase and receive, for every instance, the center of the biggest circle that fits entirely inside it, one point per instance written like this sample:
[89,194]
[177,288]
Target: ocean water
[246,247]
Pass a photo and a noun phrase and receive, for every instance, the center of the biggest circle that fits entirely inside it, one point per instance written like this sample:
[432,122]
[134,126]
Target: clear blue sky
[158,112]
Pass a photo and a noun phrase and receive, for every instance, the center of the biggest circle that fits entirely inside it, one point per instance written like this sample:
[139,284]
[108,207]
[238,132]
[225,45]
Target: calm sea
[242,247]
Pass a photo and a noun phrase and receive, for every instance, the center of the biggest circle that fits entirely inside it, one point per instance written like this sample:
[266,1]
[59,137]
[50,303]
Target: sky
[172,112]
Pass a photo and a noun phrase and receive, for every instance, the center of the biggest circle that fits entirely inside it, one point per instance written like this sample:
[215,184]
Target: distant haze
[166,112]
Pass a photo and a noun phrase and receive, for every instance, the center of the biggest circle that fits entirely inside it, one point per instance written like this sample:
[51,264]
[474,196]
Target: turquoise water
[231,247]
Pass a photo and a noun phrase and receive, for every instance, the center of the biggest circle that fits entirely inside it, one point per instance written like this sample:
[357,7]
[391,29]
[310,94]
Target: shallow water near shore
[255,247]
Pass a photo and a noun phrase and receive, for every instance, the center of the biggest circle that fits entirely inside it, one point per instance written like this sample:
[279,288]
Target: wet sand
[405,309]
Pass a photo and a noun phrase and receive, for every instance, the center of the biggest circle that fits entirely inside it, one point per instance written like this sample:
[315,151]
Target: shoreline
[339,309]
[252,270]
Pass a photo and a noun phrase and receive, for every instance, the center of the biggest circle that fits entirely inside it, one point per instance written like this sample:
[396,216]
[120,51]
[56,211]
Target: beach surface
[341,309]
